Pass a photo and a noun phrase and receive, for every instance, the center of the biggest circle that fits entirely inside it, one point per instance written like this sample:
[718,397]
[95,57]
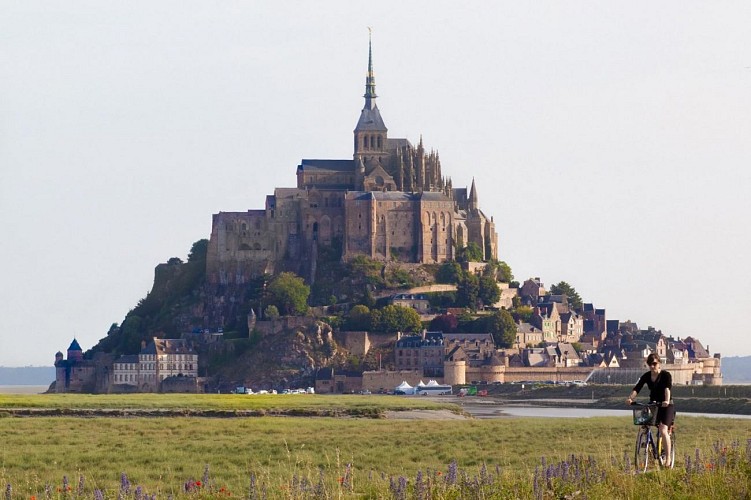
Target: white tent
[432,383]
[404,388]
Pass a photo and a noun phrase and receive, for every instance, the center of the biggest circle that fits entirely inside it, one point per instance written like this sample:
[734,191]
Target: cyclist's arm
[667,397]
[637,388]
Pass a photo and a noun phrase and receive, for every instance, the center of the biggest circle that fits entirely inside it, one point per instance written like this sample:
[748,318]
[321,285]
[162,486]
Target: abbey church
[389,202]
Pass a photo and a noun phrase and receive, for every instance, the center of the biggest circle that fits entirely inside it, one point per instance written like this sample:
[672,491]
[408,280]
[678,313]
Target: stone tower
[370,132]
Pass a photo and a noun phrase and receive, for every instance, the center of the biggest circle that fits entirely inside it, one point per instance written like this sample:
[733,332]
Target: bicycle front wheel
[643,450]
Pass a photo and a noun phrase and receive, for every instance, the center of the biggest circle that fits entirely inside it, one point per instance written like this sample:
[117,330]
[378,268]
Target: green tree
[488,291]
[504,273]
[449,272]
[503,328]
[471,253]
[289,293]
[395,319]
[569,291]
[198,250]
[524,313]
[467,291]
[358,318]
[271,312]
[499,270]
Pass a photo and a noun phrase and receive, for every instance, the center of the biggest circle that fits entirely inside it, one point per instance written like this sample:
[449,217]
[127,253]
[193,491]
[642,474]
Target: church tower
[370,132]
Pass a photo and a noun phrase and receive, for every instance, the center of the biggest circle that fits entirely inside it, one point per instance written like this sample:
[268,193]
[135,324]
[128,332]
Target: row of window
[372,142]
[152,366]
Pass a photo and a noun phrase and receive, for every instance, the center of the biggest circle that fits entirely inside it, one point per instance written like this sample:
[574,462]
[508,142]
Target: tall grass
[364,458]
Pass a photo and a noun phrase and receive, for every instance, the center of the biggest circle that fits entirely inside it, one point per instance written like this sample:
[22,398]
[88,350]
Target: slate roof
[397,143]
[418,341]
[527,328]
[127,358]
[327,165]
[74,346]
[432,196]
[370,119]
[380,195]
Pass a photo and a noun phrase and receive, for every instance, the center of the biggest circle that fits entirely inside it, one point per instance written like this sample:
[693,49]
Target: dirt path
[424,415]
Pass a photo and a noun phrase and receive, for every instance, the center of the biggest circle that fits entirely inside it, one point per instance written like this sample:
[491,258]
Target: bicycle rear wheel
[643,451]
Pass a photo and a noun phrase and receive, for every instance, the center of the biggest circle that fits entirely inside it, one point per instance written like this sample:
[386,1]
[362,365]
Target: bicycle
[649,447]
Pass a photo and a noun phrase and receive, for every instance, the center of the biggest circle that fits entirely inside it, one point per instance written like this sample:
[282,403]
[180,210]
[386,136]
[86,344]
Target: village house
[527,335]
[418,302]
[163,365]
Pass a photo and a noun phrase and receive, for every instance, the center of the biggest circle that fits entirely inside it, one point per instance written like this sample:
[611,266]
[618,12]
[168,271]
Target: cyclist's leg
[666,445]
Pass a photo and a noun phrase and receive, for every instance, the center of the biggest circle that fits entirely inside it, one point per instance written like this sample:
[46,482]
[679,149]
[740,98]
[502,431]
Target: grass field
[305,404]
[289,457]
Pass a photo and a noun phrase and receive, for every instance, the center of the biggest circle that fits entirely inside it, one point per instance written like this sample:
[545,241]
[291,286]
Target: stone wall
[356,343]
[180,384]
[360,343]
[274,326]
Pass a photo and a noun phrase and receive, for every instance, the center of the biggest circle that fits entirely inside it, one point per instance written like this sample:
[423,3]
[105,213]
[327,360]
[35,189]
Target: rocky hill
[285,357]
[182,302]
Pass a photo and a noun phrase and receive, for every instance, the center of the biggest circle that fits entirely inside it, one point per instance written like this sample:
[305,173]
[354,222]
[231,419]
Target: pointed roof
[370,117]
[74,346]
[473,191]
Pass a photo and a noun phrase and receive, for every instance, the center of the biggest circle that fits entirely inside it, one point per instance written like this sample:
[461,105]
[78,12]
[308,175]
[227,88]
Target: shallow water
[486,410]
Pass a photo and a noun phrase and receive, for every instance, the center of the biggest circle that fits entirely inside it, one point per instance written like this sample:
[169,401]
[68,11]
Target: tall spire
[370,93]
[371,134]
[473,203]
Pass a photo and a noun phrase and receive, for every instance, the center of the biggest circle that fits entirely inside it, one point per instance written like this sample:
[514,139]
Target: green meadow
[307,404]
[324,457]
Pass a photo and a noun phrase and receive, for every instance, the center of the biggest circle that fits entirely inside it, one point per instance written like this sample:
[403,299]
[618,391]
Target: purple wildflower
[124,483]
[8,492]
[403,486]
[452,473]
[98,495]
[66,484]
[80,485]
[138,493]
[419,486]
[484,476]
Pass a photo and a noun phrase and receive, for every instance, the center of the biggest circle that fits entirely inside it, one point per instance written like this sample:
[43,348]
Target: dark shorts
[666,415]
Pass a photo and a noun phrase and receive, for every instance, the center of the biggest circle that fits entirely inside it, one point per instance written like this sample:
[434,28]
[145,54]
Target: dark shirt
[656,388]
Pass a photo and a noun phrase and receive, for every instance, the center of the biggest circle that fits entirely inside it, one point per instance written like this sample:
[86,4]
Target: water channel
[486,410]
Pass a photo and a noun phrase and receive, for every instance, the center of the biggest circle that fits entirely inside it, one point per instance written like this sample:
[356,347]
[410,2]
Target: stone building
[74,373]
[390,201]
[424,353]
[159,361]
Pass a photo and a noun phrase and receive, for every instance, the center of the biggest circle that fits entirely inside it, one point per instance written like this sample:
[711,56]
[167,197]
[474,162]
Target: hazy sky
[610,141]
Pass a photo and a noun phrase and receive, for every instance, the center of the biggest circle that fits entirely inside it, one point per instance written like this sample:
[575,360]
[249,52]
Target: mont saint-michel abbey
[390,201]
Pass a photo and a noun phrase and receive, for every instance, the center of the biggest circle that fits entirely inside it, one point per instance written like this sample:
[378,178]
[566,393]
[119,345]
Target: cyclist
[660,382]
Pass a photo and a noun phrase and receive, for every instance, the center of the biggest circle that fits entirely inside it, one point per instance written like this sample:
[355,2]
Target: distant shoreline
[23,389]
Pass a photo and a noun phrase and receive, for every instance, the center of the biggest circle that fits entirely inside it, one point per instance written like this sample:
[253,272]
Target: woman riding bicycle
[660,382]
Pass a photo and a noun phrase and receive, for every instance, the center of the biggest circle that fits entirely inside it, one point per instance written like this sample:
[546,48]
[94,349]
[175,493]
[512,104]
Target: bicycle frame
[649,446]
